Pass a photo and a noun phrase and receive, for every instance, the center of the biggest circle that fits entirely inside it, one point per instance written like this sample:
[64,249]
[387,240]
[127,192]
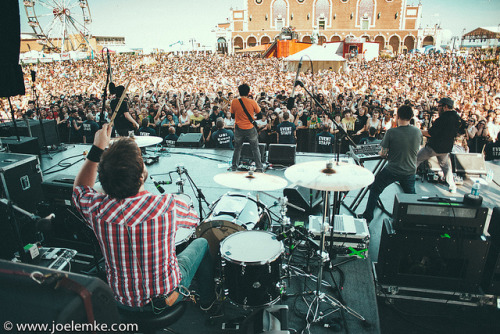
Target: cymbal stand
[320,297]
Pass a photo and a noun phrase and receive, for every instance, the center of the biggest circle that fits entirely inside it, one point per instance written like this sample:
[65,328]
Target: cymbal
[142,141]
[335,177]
[247,181]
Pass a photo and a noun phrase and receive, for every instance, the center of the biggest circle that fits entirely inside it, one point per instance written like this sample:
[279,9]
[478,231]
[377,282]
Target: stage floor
[203,164]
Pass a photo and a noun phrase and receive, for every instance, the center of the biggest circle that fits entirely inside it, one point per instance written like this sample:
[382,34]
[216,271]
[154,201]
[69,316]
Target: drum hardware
[231,213]
[327,176]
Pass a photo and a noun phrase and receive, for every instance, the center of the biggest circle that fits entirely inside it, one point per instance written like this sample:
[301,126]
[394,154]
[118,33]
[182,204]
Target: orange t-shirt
[240,118]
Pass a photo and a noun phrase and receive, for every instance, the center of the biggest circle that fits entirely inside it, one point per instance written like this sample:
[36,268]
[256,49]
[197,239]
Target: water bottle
[475,188]
[489,176]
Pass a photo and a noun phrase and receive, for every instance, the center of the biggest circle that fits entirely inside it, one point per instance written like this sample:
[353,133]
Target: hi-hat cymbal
[334,177]
[247,181]
[142,141]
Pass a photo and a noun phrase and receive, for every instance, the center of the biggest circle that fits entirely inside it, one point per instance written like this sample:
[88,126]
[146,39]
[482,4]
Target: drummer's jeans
[196,259]
[253,139]
[382,180]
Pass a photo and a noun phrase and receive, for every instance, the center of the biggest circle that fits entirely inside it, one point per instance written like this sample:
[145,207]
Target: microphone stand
[105,93]
[336,194]
[16,131]
[37,108]
[199,194]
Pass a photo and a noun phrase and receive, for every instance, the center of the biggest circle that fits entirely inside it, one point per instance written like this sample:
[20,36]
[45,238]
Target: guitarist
[125,124]
[243,111]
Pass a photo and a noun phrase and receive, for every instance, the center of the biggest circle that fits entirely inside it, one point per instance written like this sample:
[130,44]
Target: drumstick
[119,103]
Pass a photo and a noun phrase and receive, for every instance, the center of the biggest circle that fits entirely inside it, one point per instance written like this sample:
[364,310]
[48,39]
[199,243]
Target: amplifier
[417,212]
[432,260]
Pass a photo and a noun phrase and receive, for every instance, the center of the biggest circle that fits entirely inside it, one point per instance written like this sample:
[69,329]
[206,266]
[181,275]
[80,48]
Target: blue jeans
[239,136]
[195,259]
[382,180]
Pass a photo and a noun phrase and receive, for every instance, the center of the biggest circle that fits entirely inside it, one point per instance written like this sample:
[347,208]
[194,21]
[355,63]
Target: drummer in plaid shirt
[136,230]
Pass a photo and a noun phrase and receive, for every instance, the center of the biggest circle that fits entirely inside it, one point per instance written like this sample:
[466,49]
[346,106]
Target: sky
[159,23]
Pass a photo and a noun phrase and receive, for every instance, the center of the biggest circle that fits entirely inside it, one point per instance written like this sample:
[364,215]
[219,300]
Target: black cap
[447,102]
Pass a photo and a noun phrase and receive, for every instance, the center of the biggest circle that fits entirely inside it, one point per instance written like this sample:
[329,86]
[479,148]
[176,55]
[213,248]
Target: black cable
[62,165]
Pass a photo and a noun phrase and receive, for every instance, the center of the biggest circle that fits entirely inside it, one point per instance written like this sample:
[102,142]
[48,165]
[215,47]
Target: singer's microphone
[157,185]
[33,75]
[291,100]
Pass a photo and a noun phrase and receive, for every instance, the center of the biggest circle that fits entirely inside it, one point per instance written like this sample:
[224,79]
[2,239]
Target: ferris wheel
[60,25]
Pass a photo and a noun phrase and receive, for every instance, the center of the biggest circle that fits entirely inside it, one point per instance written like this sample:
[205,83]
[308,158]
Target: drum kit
[238,230]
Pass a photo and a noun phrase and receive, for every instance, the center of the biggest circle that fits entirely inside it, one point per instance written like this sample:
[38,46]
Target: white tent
[321,56]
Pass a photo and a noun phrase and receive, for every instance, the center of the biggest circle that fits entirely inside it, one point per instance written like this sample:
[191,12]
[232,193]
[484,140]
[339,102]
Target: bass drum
[251,267]
[230,214]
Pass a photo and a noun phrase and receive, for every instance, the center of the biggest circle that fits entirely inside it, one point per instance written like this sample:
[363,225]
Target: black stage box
[25,145]
[424,213]
[49,125]
[431,260]
[246,152]
[189,140]
[49,303]
[58,189]
[21,180]
[282,154]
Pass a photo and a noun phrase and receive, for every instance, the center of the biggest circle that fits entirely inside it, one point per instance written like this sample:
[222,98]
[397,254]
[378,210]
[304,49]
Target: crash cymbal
[142,141]
[248,181]
[329,176]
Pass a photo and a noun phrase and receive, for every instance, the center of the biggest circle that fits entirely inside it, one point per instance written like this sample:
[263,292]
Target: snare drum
[230,214]
[251,267]
[182,237]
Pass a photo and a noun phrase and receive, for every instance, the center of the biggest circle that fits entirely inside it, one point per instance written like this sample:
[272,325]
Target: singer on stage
[244,110]
[136,230]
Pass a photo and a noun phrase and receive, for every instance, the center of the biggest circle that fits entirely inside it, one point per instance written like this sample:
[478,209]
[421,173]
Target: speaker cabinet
[469,163]
[189,140]
[282,154]
[431,260]
[11,73]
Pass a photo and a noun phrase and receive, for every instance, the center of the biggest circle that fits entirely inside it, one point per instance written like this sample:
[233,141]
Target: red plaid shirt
[137,238]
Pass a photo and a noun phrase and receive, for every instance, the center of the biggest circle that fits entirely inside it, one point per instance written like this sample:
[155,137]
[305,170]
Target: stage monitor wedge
[190,140]
[469,163]
[282,154]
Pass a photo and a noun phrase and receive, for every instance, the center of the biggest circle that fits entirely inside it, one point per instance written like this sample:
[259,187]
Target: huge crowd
[187,93]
